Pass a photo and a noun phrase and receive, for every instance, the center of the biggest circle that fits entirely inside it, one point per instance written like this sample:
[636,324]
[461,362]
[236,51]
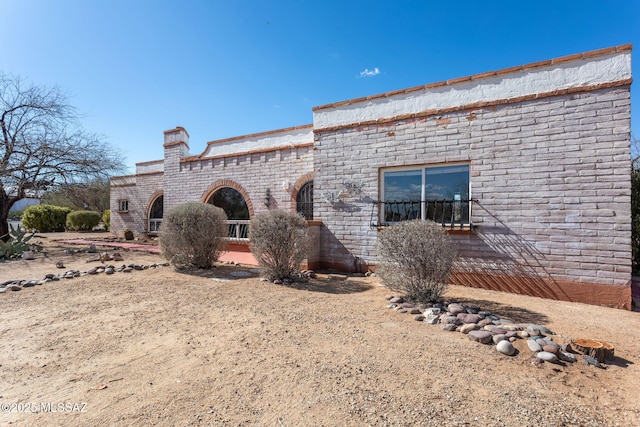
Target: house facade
[528,169]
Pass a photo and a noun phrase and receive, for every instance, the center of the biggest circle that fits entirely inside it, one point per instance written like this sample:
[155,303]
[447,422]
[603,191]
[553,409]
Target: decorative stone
[482,337]
[418,317]
[449,320]
[468,318]
[455,309]
[551,348]
[59,264]
[29,283]
[567,357]
[505,347]
[534,346]
[14,288]
[449,327]
[397,300]
[468,327]
[431,319]
[432,310]
[533,330]
[92,271]
[407,305]
[415,311]
[498,338]
[547,357]
[28,255]
[109,270]
[485,322]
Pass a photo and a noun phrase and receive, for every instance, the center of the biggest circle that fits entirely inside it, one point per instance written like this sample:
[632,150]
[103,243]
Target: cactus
[17,245]
[128,234]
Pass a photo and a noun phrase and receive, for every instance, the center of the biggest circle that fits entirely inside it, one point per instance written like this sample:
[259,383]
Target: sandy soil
[158,347]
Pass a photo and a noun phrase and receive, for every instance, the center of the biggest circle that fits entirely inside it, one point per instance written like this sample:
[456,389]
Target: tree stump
[601,351]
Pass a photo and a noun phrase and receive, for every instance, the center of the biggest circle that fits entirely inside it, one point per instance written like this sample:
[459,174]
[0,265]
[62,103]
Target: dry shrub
[193,234]
[279,241]
[415,257]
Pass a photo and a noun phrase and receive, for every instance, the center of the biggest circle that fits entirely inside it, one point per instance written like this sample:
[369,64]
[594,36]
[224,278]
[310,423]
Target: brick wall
[550,176]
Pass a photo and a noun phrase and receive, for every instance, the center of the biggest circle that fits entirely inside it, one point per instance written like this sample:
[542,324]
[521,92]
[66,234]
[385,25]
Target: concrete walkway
[239,257]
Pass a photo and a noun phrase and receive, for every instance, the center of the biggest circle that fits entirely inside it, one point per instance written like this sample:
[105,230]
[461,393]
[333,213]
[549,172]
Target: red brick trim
[222,183]
[477,105]
[150,162]
[152,199]
[297,186]
[526,67]
[175,143]
[176,129]
[588,293]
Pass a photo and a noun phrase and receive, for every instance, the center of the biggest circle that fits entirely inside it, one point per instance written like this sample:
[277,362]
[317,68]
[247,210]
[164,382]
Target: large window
[438,193]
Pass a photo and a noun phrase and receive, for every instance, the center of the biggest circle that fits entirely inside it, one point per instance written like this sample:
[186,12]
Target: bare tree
[42,144]
[91,195]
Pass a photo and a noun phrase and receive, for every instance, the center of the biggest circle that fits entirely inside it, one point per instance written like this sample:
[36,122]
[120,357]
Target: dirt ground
[158,347]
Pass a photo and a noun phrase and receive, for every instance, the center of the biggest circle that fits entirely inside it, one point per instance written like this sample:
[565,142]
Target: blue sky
[135,68]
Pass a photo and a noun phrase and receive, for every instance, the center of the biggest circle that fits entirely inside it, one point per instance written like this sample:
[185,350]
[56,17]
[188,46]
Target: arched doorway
[155,214]
[304,200]
[236,209]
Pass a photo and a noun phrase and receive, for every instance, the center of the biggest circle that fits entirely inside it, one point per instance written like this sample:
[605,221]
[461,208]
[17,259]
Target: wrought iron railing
[452,213]
[238,230]
[305,209]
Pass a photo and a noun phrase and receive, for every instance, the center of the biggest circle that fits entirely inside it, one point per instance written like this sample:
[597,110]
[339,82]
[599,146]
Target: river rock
[449,327]
[567,357]
[547,357]
[468,318]
[498,338]
[483,337]
[534,346]
[468,327]
[396,300]
[455,309]
[505,347]
[551,348]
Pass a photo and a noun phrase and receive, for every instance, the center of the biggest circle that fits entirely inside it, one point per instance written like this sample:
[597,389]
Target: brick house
[528,168]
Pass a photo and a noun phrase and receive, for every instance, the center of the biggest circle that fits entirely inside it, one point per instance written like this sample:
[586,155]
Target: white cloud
[369,73]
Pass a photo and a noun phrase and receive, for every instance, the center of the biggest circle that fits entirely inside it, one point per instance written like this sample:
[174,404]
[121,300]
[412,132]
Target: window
[304,201]
[123,206]
[155,215]
[438,193]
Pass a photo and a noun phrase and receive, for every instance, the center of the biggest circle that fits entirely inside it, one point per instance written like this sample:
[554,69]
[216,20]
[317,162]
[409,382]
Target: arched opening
[304,200]
[155,214]
[236,209]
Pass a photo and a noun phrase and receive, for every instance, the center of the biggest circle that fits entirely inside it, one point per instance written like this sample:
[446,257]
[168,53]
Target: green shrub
[279,241]
[106,219]
[193,234]
[82,220]
[45,218]
[415,257]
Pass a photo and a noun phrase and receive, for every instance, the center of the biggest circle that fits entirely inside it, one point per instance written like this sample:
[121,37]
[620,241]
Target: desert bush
[82,220]
[279,242]
[45,218]
[106,219]
[415,257]
[193,234]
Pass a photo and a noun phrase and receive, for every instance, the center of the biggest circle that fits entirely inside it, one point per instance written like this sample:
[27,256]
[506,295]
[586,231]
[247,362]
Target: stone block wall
[550,177]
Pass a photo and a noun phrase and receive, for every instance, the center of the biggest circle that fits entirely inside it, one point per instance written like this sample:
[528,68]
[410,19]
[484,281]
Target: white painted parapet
[567,73]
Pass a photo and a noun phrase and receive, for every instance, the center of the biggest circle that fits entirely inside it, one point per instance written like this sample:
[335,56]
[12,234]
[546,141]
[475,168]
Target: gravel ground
[157,347]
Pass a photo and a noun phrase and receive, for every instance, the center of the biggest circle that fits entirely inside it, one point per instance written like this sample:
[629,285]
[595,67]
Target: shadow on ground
[332,286]
[517,314]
